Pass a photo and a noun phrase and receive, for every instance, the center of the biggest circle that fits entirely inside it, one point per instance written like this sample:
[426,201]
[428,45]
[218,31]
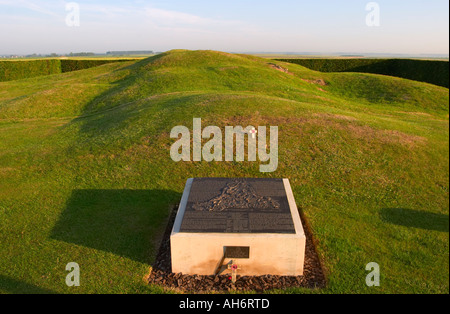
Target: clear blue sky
[326,26]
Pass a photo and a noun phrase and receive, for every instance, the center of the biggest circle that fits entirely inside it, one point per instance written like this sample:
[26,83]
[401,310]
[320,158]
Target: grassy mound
[86,174]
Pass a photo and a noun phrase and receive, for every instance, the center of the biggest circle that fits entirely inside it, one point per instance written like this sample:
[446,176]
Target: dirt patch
[279,68]
[334,116]
[424,114]
[393,136]
[320,82]
[228,68]
[7,170]
[348,124]
[161,274]
[368,133]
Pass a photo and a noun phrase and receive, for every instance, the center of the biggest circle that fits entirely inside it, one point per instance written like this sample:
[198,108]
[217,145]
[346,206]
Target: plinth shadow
[415,219]
[123,222]
[13,286]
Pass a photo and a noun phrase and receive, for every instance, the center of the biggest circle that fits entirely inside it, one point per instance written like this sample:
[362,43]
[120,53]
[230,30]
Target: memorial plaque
[218,205]
[237,252]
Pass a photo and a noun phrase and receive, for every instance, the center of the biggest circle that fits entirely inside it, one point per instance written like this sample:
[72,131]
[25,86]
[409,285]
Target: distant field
[101,57]
[301,56]
[86,174]
[128,57]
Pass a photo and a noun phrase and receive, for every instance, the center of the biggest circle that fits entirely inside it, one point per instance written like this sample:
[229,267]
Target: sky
[320,26]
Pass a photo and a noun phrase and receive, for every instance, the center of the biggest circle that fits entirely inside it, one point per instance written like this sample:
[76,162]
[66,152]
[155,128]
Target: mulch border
[314,276]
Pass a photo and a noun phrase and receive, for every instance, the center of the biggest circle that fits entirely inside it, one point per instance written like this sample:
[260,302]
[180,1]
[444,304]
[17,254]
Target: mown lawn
[86,174]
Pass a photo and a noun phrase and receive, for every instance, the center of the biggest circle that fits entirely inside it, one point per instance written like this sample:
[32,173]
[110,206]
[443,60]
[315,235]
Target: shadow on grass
[14,286]
[415,219]
[122,222]
[97,123]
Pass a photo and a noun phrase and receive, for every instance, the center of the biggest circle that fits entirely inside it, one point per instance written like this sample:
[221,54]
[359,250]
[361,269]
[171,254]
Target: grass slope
[86,174]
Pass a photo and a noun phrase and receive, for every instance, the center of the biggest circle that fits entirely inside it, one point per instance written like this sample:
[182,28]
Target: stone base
[268,253]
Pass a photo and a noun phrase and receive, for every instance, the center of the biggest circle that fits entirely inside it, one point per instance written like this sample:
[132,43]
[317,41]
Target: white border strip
[182,208]
[294,210]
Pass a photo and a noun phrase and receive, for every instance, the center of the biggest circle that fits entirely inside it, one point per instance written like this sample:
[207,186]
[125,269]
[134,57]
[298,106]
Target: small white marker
[253,132]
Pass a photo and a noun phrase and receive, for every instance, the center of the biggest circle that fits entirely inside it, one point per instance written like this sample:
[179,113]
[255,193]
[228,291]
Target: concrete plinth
[256,219]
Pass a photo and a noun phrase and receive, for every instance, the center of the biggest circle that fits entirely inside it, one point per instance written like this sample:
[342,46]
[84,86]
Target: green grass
[86,174]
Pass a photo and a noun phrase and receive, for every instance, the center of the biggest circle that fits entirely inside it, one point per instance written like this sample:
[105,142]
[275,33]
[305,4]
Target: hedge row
[434,72]
[75,65]
[16,70]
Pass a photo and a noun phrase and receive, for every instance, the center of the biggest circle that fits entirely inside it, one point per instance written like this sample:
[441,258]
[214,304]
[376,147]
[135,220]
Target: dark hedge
[76,65]
[434,72]
[16,70]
